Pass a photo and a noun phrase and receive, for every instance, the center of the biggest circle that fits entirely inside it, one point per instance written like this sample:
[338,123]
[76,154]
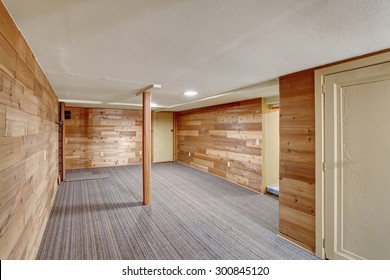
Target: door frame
[62,141]
[320,166]
[154,133]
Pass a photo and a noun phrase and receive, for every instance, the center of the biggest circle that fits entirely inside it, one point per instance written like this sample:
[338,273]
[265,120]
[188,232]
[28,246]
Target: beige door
[163,137]
[357,158]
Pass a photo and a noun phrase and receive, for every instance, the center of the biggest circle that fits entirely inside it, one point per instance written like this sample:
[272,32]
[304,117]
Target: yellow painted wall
[163,137]
[270,146]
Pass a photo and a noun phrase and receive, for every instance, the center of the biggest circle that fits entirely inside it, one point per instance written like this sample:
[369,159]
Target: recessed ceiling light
[190,93]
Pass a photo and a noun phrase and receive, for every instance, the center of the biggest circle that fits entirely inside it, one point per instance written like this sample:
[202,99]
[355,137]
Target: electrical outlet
[257,141]
[101,154]
[140,152]
[44,154]
[228,164]
[189,154]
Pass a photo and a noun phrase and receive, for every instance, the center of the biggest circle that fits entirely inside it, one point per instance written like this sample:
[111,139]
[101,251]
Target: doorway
[163,137]
[356,156]
[270,145]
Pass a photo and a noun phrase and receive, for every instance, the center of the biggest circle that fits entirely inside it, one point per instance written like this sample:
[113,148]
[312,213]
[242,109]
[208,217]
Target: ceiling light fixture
[80,101]
[190,93]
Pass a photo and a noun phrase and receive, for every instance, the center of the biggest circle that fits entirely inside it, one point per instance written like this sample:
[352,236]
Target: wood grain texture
[102,137]
[297,159]
[146,148]
[8,57]
[214,137]
[28,145]
[175,137]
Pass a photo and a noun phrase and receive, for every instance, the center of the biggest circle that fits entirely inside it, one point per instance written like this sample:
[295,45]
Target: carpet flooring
[194,215]
[81,176]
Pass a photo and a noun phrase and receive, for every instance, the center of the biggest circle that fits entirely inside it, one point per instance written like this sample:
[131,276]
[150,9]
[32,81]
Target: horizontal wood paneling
[102,137]
[211,138]
[28,145]
[297,158]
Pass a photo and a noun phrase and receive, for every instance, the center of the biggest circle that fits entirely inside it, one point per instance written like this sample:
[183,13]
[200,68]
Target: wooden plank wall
[102,137]
[297,159]
[28,145]
[210,138]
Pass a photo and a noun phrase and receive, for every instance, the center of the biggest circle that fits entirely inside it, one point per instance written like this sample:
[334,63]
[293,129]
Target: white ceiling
[109,50]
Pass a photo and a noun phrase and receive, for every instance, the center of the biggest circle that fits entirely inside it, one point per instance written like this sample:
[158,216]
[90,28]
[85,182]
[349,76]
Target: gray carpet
[194,215]
[85,175]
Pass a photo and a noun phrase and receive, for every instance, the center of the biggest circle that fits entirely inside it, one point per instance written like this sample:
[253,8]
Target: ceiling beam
[259,90]
[148,89]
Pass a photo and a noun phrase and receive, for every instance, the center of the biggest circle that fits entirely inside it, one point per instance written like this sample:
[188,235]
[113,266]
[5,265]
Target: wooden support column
[175,136]
[146,147]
